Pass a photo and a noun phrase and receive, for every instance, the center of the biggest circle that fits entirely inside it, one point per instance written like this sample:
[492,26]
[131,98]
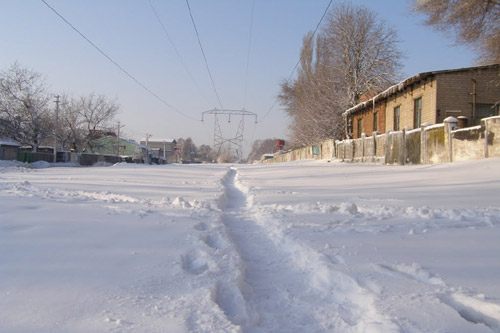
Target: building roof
[132,142]
[8,142]
[159,140]
[408,82]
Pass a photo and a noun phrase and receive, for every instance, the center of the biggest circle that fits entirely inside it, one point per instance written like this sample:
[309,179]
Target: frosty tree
[24,106]
[473,22]
[355,54]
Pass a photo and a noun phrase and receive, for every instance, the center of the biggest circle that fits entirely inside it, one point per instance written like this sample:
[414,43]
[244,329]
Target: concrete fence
[433,144]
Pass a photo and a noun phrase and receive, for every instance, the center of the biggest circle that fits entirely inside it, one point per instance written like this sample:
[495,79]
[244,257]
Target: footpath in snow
[289,286]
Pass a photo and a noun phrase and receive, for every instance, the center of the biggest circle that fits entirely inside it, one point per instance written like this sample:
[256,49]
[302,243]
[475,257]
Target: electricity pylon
[237,140]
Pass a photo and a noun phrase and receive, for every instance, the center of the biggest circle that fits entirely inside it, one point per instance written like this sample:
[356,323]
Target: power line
[203,53]
[116,64]
[300,58]
[248,56]
[167,35]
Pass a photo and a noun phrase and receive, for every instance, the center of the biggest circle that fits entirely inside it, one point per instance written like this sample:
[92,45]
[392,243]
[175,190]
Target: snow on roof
[132,142]
[158,140]
[7,142]
[407,82]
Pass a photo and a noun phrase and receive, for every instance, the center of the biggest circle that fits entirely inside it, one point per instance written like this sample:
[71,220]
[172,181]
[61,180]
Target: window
[396,118]
[417,112]
[485,111]
[360,127]
[375,121]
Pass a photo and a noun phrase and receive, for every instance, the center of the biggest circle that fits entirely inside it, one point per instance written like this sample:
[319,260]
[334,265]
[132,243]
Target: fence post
[404,153]
[450,124]
[363,150]
[423,144]
[387,138]
[485,138]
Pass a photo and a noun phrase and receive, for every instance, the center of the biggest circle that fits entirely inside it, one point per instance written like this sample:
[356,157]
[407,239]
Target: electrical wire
[203,53]
[116,64]
[300,58]
[248,56]
[167,35]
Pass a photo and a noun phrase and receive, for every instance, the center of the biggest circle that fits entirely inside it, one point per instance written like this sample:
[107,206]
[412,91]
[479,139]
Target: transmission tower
[237,140]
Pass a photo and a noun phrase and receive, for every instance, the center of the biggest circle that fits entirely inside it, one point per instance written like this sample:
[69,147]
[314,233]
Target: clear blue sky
[128,31]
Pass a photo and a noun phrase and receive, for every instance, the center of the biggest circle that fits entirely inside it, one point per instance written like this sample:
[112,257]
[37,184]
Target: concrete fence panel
[369,149]
[358,150]
[412,146]
[380,142]
[468,143]
[435,145]
[492,132]
[395,148]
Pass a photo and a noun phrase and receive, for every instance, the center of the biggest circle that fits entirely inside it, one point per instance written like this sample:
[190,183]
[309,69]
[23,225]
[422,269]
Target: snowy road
[298,247]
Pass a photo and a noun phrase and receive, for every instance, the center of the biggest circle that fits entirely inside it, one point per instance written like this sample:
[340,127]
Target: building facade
[430,97]
[161,148]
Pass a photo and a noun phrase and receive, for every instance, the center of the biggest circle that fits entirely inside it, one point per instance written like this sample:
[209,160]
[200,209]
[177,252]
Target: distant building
[161,148]
[9,150]
[428,97]
[266,157]
[130,149]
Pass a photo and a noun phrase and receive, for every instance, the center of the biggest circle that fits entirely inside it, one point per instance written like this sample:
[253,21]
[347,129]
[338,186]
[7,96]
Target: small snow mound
[474,309]
[414,272]
[348,208]
[102,164]
[11,164]
[179,201]
[40,165]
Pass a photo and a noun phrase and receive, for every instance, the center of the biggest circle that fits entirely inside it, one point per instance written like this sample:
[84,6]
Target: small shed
[9,150]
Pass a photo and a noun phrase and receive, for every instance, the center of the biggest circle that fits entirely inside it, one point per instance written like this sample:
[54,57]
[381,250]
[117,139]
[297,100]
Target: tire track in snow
[290,286]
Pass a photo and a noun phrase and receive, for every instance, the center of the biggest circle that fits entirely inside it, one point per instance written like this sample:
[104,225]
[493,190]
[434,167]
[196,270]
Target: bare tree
[24,106]
[354,54]
[70,133]
[187,149]
[96,114]
[261,147]
[473,22]
[206,154]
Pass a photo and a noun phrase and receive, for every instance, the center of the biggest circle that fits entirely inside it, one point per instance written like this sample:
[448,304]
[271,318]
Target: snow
[305,246]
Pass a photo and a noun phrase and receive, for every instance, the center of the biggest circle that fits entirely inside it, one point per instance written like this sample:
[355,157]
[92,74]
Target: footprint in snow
[195,262]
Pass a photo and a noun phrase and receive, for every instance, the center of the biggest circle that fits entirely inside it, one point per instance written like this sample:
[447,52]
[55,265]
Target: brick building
[429,97]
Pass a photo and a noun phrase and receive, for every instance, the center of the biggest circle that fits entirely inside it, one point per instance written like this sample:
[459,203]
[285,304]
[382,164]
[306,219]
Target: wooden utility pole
[118,139]
[55,128]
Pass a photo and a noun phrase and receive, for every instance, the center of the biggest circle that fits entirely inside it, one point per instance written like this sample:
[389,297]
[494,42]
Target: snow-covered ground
[297,247]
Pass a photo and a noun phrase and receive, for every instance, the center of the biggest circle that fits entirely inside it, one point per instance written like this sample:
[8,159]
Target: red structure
[280,144]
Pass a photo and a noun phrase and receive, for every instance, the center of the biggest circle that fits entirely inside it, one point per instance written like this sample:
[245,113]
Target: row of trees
[29,116]
[188,151]
[355,55]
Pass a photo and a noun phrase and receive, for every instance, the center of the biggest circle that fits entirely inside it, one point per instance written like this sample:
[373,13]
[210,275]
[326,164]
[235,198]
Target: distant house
[127,148]
[428,97]
[9,150]
[266,157]
[161,148]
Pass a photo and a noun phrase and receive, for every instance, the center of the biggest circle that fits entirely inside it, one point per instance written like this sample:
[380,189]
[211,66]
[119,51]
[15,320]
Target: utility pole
[147,148]
[118,139]
[55,128]
[164,152]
